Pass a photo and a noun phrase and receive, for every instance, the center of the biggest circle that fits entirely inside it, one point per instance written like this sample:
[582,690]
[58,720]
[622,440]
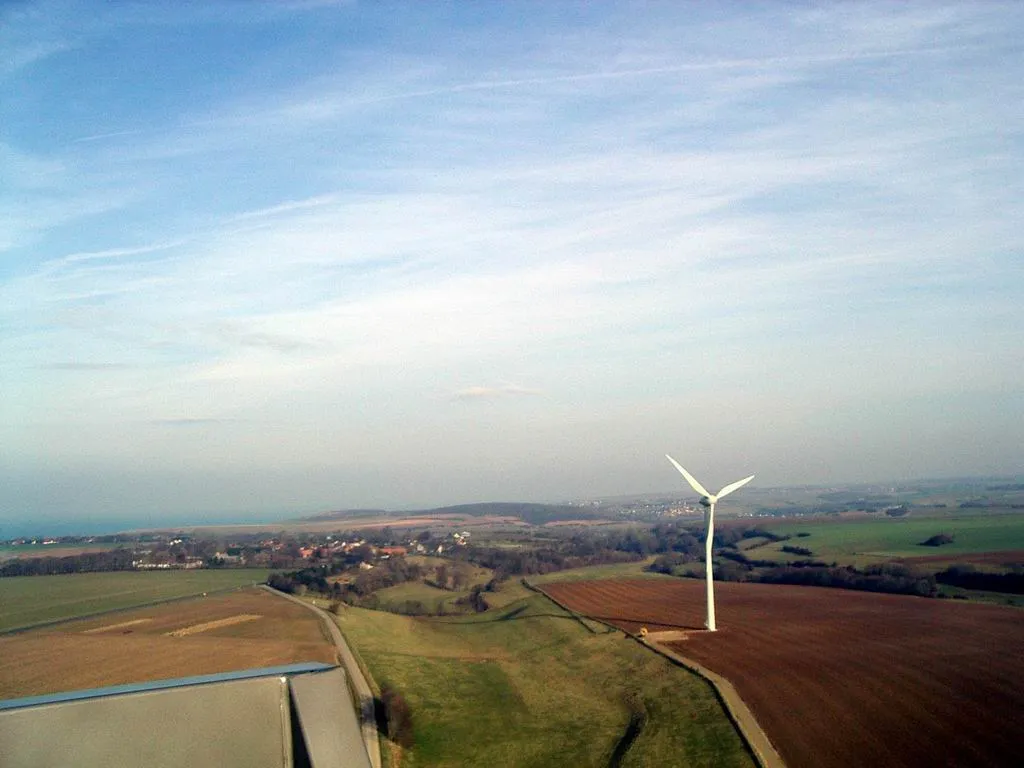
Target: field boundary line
[366,708]
[756,739]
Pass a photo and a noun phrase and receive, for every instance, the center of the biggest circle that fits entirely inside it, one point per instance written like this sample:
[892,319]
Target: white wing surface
[689,478]
[733,486]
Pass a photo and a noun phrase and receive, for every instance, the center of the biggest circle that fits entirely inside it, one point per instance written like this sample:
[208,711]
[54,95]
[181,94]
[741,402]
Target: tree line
[87,562]
[967,577]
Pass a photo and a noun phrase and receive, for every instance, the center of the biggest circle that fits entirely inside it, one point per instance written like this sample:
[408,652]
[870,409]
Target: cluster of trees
[968,577]
[671,562]
[892,578]
[87,562]
[682,546]
[524,562]
[684,559]
[677,544]
[388,573]
[454,577]
[734,565]
[299,582]
[475,600]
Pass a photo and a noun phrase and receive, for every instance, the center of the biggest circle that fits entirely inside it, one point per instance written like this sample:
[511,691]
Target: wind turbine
[708,500]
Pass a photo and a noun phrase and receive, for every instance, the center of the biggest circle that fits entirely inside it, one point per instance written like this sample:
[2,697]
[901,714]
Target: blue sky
[302,256]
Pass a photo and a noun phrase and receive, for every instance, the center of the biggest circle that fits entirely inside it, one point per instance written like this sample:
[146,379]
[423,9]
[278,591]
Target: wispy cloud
[105,136]
[288,207]
[492,393]
[113,253]
[78,366]
[188,422]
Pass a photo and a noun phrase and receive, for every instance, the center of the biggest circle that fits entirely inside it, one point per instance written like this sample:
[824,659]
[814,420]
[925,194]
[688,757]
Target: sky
[286,257]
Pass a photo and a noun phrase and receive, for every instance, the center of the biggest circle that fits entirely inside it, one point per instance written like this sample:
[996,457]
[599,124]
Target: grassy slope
[392,598]
[874,540]
[29,600]
[528,685]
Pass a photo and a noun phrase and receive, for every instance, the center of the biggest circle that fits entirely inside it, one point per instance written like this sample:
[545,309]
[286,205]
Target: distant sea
[93,526]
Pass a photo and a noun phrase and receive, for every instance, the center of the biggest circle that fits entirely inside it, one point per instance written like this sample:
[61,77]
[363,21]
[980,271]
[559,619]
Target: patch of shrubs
[730,536]
[396,716]
[938,540]
[802,551]
[743,559]
[475,600]
[667,563]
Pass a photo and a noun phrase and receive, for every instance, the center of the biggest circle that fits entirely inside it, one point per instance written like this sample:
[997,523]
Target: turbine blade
[733,486]
[689,478]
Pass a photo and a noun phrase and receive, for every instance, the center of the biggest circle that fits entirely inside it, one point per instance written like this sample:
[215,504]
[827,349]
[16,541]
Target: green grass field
[529,685]
[872,540]
[432,598]
[29,600]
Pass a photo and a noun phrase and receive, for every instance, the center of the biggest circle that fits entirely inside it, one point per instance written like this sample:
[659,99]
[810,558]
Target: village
[180,551]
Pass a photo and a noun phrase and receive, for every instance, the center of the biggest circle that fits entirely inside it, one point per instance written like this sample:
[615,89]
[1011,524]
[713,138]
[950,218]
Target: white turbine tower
[708,501]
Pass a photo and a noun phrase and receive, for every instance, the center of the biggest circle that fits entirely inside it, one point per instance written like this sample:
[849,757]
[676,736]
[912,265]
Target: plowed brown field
[843,678]
[138,646]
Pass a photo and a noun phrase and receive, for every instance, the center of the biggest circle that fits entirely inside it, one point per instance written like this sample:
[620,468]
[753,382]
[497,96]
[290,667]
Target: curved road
[367,715]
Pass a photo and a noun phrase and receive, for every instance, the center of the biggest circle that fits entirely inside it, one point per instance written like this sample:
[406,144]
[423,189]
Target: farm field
[634,570]
[527,684]
[29,600]
[840,678]
[877,539]
[24,551]
[239,630]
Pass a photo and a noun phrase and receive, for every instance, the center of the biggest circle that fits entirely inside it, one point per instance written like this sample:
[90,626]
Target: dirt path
[206,626]
[363,692]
